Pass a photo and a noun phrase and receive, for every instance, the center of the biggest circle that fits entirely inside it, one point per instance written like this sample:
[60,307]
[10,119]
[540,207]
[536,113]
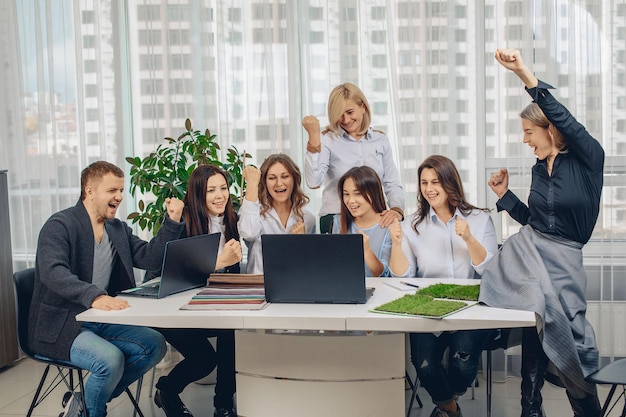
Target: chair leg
[489,382]
[138,393]
[81,383]
[151,389]
[414,385]
[41,382]
[134,402]
[473,386]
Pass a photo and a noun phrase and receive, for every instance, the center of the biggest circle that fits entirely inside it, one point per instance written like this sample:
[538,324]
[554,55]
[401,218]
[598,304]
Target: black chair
[505,339]
[24,282]
[413,386]
[614,374]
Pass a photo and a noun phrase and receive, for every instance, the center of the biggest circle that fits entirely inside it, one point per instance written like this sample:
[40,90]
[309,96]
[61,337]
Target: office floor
[18,384]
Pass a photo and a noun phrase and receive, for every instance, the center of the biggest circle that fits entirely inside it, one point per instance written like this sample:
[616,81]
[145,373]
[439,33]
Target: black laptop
[314,268]
[187,264]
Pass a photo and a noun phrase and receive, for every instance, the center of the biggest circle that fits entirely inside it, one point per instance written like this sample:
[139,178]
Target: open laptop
[187,264]
[314,268]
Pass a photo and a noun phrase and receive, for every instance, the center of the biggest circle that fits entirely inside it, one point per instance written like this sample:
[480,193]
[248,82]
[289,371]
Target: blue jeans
[465,347]
[116,355]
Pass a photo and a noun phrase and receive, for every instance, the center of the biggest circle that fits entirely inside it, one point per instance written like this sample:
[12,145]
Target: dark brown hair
[196,213]
[298,198]
[450,180]
[368,183]
[94,173]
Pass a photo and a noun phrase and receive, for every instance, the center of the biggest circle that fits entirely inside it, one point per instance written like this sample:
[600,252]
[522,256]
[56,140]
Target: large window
[113,83]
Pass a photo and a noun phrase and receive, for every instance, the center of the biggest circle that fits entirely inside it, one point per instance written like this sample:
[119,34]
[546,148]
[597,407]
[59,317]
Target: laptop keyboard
[148,291]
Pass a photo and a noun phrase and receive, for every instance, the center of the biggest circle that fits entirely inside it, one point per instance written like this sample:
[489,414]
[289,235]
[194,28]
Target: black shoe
[224,412]
[585,407]
[171,404]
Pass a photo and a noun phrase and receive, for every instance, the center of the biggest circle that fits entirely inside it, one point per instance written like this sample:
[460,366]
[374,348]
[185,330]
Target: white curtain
[87,80]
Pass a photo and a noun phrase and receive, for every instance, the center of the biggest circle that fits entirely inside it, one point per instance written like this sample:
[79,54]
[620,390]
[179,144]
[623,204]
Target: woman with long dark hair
[446,238]
[363,201]
[208,209]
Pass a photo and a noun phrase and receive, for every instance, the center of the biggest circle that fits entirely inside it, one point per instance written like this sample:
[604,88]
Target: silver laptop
[314,268]
[187,264]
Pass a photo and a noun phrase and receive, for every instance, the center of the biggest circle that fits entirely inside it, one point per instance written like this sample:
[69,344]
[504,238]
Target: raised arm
[317,156]
[511,59]
[250,212]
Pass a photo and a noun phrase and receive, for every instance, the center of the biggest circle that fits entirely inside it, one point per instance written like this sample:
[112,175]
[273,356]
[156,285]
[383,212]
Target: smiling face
[356,203]
[103,196]
[217,194]
[279,183]
[352,118]
[539,139]
[432,190]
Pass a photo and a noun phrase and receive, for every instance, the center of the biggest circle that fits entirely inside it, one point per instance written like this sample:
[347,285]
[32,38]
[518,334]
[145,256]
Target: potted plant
[166,171]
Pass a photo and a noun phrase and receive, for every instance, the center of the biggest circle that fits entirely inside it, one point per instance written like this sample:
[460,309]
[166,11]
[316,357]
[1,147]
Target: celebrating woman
[363,203]
[540,268]
[446,238]
[208,209]
[274,203]
[349,141]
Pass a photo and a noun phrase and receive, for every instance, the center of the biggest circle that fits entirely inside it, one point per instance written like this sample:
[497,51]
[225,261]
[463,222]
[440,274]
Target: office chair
[505,339]
[413,385]
[24,282]
[614,374]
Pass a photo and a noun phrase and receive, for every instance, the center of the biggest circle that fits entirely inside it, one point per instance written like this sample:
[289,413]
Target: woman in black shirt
[208,209]
[540,268]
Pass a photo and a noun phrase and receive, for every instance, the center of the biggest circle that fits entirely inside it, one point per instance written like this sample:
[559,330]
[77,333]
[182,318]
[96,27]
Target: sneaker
[438,412]
[73,406]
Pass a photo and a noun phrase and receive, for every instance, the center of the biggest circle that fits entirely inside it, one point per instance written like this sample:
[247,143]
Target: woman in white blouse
[446,238]
[349,141]
[273,204]
[361,191]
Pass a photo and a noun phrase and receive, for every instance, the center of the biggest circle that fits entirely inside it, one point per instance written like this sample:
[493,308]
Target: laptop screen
[187,264]
[312,268]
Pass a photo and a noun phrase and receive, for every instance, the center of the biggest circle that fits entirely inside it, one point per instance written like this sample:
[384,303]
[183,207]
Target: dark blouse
[567,202]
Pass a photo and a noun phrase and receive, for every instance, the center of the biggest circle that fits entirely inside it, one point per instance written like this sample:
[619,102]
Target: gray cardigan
[64,268]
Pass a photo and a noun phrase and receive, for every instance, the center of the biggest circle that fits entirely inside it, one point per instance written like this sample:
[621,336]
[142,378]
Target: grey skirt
[544,273]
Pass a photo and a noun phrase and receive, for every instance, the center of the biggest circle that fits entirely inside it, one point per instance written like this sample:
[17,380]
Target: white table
[336,359]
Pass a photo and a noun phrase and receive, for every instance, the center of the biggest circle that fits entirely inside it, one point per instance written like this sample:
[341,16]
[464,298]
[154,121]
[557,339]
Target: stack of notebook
[230,292]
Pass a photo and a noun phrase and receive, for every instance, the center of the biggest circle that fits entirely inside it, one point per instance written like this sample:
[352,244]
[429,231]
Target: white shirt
[216,225]
[252,225]
[342,152]
[438,252]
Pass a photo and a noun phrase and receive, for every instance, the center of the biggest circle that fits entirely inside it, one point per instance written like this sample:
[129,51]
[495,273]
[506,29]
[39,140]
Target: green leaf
[165,172]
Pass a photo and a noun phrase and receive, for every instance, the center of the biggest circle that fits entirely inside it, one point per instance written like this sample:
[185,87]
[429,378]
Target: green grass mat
[453,291]
[421,305]
[423,302]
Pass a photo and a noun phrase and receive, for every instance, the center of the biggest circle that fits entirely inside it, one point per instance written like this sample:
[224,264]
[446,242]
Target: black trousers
[200,358]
